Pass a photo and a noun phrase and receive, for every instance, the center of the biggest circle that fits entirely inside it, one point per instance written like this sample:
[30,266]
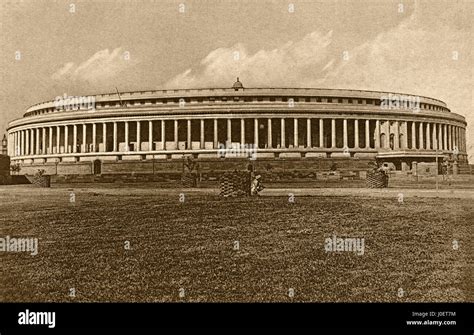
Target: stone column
[308,133]
[449,147]
[420,135]
[333,133]
[435,136]
[283,135]
[396,136]
[50,143]
[201,137]
[17,143]
[405,135]
[321,133]
[126,137]
[242,131]
[74,138]
[453,137]
[139,140]
[428,136]
[188,135]
[66,139]
[367,134]
[413,135]
[295,130]
[150,135]
[269,139]
[58,139]
[255,133]
[163,138]
[37,150]
[104,135]
[94,137]
[43,143]
[176,142]
[115,140]
[445,137]
[344,133]
[377,134]
[32,141]
[463,139]
[229,132]
[215,135]
[27,142]
[22,142]
[456,131]
[440,136]
[356,134]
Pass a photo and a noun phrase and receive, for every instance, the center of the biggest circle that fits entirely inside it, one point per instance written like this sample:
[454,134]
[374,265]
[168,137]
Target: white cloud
[103,65]
[290,64]
[408,58]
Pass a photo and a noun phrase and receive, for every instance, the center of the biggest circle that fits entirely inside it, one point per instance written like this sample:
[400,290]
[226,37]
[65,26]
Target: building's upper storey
[236,99]
[248,95]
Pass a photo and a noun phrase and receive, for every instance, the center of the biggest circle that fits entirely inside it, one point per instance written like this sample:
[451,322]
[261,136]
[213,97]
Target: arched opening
[392,141]
[382,140]
[97,167]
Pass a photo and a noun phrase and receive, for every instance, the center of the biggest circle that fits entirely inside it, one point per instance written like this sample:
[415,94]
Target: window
[339,101]
[349,101]
[307,99]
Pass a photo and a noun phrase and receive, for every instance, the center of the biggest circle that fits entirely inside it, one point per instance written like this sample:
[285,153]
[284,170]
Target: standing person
[257,185]
[444,168]
[250,177]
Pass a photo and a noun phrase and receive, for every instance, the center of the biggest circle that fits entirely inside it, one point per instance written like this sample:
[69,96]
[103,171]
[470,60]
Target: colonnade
[266,133]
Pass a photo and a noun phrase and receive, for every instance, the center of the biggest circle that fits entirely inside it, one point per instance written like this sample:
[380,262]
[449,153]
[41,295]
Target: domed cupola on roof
[237,85]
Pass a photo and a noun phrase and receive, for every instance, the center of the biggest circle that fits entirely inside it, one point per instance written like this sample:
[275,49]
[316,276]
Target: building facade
[69,136]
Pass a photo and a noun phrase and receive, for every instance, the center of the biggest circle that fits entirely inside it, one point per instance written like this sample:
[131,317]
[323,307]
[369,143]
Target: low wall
[208,169]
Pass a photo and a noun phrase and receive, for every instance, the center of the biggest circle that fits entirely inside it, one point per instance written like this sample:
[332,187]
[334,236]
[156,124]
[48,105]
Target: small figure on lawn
[257,185]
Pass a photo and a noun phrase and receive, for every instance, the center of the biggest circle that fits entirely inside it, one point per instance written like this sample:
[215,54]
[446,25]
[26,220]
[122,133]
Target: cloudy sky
[48,48]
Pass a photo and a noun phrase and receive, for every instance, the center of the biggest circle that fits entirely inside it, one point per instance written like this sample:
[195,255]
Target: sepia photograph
[225,151]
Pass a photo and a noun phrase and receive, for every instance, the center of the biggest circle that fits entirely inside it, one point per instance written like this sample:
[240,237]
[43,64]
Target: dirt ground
[196,246]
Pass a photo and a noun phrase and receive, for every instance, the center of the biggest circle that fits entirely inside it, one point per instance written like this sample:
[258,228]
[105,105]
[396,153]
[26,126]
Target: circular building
[149,132]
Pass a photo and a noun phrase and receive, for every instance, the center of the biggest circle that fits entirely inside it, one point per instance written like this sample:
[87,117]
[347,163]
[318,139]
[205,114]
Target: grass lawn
[191,246]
